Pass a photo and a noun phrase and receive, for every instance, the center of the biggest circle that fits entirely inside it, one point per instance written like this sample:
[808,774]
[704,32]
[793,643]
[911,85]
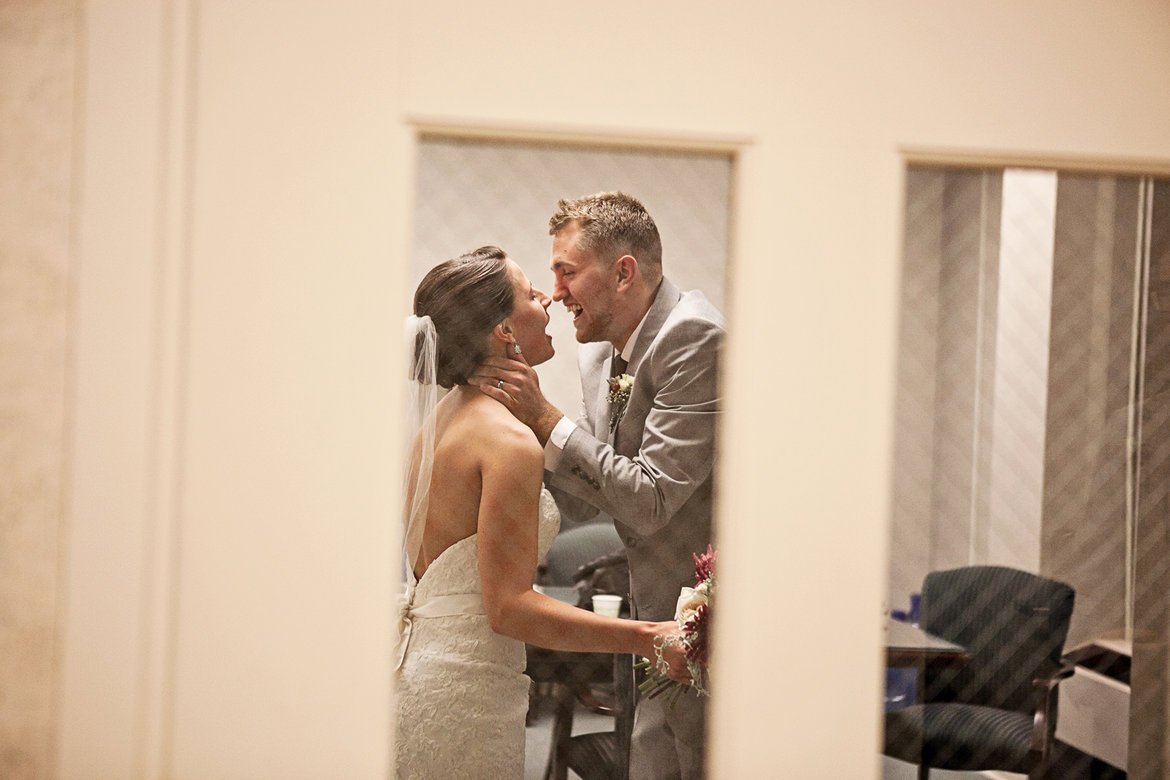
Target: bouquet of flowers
[693,615]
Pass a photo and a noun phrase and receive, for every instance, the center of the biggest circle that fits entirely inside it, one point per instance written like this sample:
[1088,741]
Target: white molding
[537,132]
[1005,158]
[110,621]
[160,607]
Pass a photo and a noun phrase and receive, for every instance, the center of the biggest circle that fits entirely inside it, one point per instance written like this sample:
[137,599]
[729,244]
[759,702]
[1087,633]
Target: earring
[516,348]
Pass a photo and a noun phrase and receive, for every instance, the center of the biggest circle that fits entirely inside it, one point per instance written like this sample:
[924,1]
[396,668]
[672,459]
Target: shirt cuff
[557,441]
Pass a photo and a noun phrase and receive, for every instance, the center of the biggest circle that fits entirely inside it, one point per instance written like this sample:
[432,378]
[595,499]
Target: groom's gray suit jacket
[654,473]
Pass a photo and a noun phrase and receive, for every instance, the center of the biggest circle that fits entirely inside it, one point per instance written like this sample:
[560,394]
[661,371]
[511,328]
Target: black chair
[997,710]
[603,755]
[574,547]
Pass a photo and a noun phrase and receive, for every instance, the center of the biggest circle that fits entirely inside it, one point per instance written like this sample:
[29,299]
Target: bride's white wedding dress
[462,694]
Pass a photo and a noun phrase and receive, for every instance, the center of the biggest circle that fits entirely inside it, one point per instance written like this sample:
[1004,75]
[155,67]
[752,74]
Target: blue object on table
[901,684]
[911,615]
[901,688]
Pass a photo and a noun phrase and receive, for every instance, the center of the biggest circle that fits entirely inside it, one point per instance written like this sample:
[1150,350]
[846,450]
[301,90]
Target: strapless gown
[462,693]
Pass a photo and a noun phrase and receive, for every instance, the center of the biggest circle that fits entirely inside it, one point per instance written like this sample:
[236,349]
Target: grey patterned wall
[1057,371]
[473,192]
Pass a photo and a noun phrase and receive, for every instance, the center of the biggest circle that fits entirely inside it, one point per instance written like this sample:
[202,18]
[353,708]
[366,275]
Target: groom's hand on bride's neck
[515,384]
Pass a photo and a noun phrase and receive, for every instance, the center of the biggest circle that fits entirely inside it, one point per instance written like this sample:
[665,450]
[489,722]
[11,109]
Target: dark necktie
[619,365]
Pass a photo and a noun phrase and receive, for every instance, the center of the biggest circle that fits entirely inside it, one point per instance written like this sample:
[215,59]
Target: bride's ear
[503,332]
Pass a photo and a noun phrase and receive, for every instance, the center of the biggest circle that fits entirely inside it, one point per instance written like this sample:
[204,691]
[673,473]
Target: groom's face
[586,285]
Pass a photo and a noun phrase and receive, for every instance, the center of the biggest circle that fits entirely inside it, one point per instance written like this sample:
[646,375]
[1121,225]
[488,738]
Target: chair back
[574,547]
[1012,623]
[609,574]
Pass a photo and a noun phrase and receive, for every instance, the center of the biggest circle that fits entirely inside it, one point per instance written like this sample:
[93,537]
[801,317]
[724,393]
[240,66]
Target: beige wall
[38,56]
[246,172]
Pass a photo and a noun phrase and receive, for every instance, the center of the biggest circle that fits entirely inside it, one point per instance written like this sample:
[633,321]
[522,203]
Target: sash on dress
[448,605]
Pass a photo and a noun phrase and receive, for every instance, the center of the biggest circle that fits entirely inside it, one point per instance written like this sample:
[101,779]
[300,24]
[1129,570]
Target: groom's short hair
[613,224]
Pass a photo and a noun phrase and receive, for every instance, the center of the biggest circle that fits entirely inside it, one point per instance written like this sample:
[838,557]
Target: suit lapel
[665,300]
[600,363]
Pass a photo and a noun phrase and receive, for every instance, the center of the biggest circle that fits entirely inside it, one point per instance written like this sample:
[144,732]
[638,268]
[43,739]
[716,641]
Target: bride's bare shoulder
[485,422]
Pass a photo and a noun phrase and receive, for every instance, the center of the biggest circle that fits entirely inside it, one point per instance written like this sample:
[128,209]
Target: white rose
[689,601]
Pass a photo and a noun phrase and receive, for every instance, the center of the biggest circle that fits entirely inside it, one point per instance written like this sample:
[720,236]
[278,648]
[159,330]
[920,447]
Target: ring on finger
[500,385]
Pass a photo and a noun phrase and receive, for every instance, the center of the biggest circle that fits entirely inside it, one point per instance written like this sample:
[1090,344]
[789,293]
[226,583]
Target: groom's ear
[627,271]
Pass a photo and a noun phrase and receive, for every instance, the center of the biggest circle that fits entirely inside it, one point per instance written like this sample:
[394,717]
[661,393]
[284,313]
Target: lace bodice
[462,694]
[456,570]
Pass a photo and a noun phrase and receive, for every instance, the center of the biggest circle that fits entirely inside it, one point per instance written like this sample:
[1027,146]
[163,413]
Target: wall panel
[297,204]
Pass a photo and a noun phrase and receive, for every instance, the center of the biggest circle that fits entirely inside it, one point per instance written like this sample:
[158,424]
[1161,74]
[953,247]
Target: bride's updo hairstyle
[465,298]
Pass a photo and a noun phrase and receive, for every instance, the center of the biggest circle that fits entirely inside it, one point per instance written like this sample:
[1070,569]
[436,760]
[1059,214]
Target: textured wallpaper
[472,193]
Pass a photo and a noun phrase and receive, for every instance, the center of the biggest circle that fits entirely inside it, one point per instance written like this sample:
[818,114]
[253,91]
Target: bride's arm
[507,527]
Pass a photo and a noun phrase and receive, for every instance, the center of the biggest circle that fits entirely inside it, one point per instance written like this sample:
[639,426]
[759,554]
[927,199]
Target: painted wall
[38,59]
[246,172]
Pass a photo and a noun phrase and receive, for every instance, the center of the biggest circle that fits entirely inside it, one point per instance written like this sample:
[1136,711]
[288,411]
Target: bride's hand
[669,638]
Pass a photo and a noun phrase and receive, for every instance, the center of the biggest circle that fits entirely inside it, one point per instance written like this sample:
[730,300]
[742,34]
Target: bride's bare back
[470,430]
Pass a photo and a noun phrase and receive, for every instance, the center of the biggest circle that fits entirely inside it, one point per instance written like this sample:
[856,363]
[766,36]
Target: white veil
[422,394]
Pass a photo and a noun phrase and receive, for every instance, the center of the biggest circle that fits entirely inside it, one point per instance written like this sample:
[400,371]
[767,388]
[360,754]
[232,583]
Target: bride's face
[529,318]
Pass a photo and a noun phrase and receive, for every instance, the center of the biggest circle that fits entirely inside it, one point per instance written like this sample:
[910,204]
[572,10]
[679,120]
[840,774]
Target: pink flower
[705,565]
[693,615]
[698,630]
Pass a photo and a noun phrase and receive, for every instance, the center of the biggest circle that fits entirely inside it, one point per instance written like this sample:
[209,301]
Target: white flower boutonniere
[619,396]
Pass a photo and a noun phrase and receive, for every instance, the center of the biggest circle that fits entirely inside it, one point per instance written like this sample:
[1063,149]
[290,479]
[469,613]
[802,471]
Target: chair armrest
[1044,720]
[588,697]
[1047,682]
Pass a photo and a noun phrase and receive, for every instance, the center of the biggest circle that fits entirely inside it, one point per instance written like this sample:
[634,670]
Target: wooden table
[909,646]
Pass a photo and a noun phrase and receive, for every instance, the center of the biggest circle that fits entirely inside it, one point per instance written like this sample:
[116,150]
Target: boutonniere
[619,396]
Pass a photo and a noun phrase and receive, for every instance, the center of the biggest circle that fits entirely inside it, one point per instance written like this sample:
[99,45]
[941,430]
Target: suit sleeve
[572,508]
[677,447]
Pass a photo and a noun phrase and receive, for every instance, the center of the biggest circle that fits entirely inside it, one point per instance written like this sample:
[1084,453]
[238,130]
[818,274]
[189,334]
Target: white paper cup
[605,604]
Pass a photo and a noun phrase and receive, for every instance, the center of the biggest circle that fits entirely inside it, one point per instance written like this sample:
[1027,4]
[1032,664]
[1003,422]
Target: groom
[643,455]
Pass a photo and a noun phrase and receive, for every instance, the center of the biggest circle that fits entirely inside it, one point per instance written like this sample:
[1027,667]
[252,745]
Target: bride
[477,521]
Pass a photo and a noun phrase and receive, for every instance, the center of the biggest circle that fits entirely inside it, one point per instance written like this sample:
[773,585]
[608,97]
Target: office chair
[998,710]
[603,755]
[575,547]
